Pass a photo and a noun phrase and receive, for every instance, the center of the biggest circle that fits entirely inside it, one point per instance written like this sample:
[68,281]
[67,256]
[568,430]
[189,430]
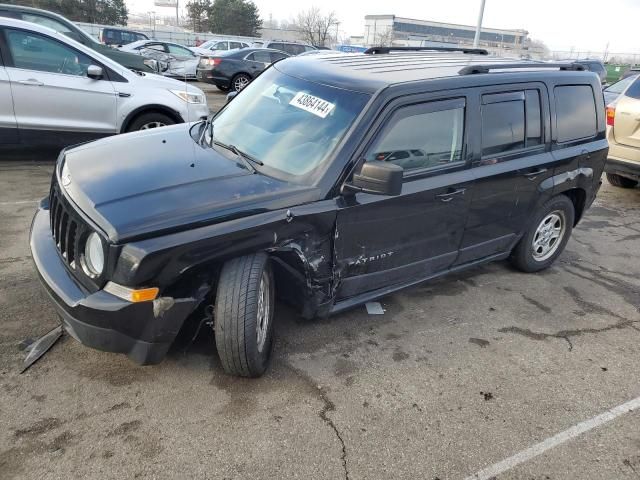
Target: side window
[262,57]
[277,46]
[295,49]
[178,50]
[235,45]
[422,136]
[275,56]
[158,47]
[46,22]
[221,46]
[634,90]
[251,57]
[575,112]
[502,123]
[32,51]
[533,119]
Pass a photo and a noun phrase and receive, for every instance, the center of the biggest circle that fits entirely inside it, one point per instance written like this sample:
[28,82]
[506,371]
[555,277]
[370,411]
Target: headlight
[189,97]
[94,255]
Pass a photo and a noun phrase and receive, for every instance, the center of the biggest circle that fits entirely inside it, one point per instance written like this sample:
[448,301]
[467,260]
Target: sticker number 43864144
[312,104]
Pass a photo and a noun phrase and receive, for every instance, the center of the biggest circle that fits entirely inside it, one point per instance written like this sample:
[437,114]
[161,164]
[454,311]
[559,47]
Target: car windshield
[290,124]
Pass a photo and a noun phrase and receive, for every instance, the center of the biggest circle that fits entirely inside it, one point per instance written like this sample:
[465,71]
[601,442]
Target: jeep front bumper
[101,320]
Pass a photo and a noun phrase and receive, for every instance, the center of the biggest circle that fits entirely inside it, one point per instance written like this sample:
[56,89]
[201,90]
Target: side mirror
[378,178]
[94,72]
[231,96]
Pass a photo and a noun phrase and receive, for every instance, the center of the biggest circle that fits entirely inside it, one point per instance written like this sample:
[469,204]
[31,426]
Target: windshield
[289,124]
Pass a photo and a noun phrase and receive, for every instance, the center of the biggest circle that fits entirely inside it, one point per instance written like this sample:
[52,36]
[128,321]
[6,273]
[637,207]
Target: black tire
[239,78]
[236,315]
[223,88]
[146,120]
[529,259]
[620,181]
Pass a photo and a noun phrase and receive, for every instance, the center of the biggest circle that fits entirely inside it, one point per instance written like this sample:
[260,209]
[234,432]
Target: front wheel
[620,181]
[546,237]
[244,315]
[150,120]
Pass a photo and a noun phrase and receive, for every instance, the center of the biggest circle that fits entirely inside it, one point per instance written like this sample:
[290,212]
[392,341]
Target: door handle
[535,173]
[447,197]
[32,82]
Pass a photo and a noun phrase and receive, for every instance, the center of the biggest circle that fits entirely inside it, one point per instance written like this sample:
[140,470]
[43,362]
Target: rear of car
[623,134]
[233,70]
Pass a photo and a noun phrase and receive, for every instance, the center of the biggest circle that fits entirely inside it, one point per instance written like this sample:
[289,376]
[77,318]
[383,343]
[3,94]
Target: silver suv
[292,48]
[56,91]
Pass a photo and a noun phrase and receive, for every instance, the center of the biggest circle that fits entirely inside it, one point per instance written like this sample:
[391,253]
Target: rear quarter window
[575,112]
[634,89]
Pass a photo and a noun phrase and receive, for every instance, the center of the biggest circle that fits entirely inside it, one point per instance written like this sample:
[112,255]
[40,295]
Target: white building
[389,30]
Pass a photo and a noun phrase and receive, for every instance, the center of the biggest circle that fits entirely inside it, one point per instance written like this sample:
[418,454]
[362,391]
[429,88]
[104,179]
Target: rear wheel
[620,181]
[244,315]
[240,81]
[546,237]
[150,120]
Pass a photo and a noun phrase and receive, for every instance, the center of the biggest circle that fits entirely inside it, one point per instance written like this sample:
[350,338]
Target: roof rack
[485,68]
[382,50]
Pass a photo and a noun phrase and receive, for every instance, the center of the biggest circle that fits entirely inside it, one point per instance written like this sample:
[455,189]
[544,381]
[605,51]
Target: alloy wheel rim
[548,236]
[240,83]
[150,125]
[264,312]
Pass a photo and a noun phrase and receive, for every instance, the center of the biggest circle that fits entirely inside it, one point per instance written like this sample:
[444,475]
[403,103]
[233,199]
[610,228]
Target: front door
[393,241]
[51,90]
[8,125]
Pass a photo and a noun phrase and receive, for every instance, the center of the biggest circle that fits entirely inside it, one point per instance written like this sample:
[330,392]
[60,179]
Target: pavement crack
[566,335]
[327,406]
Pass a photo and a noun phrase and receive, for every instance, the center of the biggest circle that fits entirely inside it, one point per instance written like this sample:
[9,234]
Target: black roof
[370,73]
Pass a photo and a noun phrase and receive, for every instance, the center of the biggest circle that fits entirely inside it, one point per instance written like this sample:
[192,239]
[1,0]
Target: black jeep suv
[327,182]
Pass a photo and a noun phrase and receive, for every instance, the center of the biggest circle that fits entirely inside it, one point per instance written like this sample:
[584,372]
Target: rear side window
[422,136]
[511,121]
[276,46]
[575,112]
[275,56]
[634,90]
[263,57]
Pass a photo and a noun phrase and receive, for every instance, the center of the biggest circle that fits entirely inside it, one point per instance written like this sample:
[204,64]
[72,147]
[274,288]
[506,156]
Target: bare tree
[383,38]
[315,26]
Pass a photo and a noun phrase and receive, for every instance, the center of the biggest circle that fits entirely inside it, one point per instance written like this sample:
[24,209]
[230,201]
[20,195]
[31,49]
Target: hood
[151,182]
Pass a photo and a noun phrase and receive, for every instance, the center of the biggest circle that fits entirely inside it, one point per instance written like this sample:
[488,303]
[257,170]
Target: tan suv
[623,134]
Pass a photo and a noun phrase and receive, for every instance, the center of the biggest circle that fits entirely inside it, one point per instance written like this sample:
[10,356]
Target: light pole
[476,39]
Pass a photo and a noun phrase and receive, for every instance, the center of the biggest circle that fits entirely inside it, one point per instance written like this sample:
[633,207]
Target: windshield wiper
[248,160]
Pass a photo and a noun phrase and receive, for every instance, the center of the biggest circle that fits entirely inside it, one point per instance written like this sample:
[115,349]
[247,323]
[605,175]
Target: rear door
[8,125]
[385,241]
[511,160]
[627,120]
[51,90]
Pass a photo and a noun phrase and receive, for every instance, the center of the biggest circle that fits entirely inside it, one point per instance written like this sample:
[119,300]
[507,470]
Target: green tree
[107,12]
[234,17]
[198,12]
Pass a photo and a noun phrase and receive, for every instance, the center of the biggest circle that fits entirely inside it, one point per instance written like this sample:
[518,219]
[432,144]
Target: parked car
[292,48]
[623,115]
[236,68]
[215,46]
[282,195]
[613,91]
[175,60]
[71,30]
[56,91]
[118,37]
[595,66]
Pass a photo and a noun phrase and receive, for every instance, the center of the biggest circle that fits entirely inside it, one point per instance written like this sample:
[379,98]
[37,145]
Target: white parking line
[21,202]
[552,442]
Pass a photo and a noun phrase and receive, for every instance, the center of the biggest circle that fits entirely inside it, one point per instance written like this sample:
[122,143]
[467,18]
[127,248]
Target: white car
[56,91]
[174,59]
[215,46]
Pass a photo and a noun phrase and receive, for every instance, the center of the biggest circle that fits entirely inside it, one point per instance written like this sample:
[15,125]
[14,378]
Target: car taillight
[611,115]
[211,61]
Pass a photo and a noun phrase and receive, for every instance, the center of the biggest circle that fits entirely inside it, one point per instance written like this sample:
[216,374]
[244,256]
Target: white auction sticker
[312,104]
